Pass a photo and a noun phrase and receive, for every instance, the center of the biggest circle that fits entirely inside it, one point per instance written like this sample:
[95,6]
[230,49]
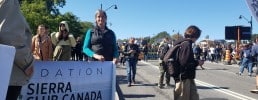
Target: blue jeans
[145,57]
[131,69]
[246,62]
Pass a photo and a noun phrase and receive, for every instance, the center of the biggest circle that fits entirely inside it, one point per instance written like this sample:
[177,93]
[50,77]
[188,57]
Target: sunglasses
[62,25]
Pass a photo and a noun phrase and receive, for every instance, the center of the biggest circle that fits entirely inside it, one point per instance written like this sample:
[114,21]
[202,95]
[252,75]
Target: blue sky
[141,18]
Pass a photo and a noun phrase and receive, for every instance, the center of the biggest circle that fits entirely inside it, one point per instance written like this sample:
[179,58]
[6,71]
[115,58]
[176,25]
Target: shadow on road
[204,87]
[138,95]
[213,99]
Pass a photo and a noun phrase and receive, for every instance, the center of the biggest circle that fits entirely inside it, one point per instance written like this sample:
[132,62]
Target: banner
[71,80]
[253,6]
[6,62]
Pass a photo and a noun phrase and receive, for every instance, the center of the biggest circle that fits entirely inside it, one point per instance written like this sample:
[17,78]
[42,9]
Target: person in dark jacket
[100,42]
[185,88]
[131,53]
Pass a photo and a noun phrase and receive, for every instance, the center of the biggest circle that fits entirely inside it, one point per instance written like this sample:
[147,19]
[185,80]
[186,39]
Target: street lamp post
[250,22]
[238,33]
[115,7]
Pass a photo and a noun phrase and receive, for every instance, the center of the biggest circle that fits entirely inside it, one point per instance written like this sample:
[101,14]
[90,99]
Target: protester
[145,51]
[42,45]
[63,42]
[15,31]
[218,51]
[100,42]
[185,88]
[255,54]
[122,57]
[163,69]
[197,52]
[131,53]
[247,60]
[78,49]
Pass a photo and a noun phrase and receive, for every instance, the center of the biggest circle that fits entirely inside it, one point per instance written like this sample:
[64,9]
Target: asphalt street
[216,82]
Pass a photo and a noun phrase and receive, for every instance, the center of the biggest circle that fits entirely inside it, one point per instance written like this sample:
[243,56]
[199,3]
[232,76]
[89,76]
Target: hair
[61,35]
[104,13]
[166,39]
[192,32]
[41,25]
[101,11]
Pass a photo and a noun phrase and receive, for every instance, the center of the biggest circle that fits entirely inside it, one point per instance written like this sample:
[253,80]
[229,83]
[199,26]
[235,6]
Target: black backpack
[163,49]
[171,59]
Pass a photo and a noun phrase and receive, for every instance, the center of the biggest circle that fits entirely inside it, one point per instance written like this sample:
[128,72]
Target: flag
[253,6]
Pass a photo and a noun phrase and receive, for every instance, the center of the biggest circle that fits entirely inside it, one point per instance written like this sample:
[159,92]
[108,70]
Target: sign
[231,33]
[6,62]
[71,80]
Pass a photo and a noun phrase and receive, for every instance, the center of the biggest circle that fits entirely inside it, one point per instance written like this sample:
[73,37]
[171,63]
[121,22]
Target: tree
[85,26]
[51,5]
[176,36]
[39,12]
[73,22]
[156,39]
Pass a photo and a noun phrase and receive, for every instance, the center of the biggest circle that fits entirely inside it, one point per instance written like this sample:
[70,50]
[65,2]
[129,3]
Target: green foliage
[162,35]
[156,39]
[35,13]
[46,12]
[85,26]
[50,5]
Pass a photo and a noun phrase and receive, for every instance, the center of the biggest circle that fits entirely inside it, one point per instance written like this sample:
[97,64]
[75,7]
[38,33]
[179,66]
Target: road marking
[225,91]
[228,92]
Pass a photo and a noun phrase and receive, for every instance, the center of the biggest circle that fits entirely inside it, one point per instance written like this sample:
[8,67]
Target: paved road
[216,82]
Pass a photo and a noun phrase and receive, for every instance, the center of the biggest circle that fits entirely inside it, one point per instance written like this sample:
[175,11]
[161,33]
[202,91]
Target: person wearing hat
[63,42]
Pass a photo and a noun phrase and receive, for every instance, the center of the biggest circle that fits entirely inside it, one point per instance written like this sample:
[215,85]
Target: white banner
[71,80]
[6,62]
[253,6]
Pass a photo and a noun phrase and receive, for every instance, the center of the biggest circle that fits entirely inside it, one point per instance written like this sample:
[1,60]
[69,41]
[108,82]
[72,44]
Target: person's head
[166,39]
[131,40]
[256,40]
[246,46]
[63,25]
[63,34]
[101,18]
[41,29]
[192,32]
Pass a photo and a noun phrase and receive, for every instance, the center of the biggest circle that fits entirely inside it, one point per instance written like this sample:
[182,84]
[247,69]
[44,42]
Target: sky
[143,18]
